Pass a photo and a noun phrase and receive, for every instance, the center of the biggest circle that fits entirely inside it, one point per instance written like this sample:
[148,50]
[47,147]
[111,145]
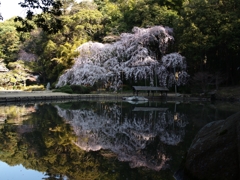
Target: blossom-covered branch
[138,55]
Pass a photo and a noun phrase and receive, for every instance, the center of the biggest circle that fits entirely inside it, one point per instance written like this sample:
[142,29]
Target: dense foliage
[209,37]
[205,32]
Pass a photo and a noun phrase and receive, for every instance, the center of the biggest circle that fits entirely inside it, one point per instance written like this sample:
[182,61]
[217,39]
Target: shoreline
[42,96]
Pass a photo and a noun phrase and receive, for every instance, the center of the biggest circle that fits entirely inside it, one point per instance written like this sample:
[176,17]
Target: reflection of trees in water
[43,142]
[127,134]
[15,114]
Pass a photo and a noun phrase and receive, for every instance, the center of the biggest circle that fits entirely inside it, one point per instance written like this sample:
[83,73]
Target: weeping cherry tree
[139,55]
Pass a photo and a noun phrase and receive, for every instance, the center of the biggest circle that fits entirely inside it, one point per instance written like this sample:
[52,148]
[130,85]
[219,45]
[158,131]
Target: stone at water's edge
[215,151]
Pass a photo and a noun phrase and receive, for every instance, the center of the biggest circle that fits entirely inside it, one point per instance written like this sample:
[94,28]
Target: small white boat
[135,99]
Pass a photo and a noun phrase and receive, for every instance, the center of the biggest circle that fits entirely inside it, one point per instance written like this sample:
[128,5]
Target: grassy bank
[228,93]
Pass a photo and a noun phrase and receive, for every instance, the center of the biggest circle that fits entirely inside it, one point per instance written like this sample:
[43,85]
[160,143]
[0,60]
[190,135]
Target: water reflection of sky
[19,173]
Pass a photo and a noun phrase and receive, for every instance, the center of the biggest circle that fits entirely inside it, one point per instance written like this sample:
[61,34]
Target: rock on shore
[215,151]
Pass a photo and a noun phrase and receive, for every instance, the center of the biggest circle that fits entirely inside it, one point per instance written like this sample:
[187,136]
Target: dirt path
[29,94]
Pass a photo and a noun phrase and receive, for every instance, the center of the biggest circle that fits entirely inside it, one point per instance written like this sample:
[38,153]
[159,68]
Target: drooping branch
[133,54]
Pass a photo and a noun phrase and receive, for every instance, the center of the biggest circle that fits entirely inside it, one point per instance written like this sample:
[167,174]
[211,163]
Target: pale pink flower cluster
[138,55]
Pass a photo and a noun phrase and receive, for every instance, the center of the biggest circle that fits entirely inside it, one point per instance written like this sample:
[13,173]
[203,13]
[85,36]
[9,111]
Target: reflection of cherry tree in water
[126,135]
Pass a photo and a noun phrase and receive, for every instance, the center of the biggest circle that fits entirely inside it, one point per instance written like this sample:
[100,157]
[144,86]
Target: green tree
[48,20]
[83,25]
[175,5]
[209,36]
[146,13]
[123,15]
[58,51]
[9,41]
[112,16]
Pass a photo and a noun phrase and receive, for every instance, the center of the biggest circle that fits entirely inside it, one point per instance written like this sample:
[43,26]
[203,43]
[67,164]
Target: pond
[101,139]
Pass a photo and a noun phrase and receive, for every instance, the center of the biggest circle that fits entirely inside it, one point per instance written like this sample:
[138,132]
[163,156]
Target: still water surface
[101,140]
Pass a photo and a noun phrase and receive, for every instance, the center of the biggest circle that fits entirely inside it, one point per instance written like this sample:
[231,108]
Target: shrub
[34,88]
[65,89]
[86,89]
[81,89]
[76,89]
[127,88]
